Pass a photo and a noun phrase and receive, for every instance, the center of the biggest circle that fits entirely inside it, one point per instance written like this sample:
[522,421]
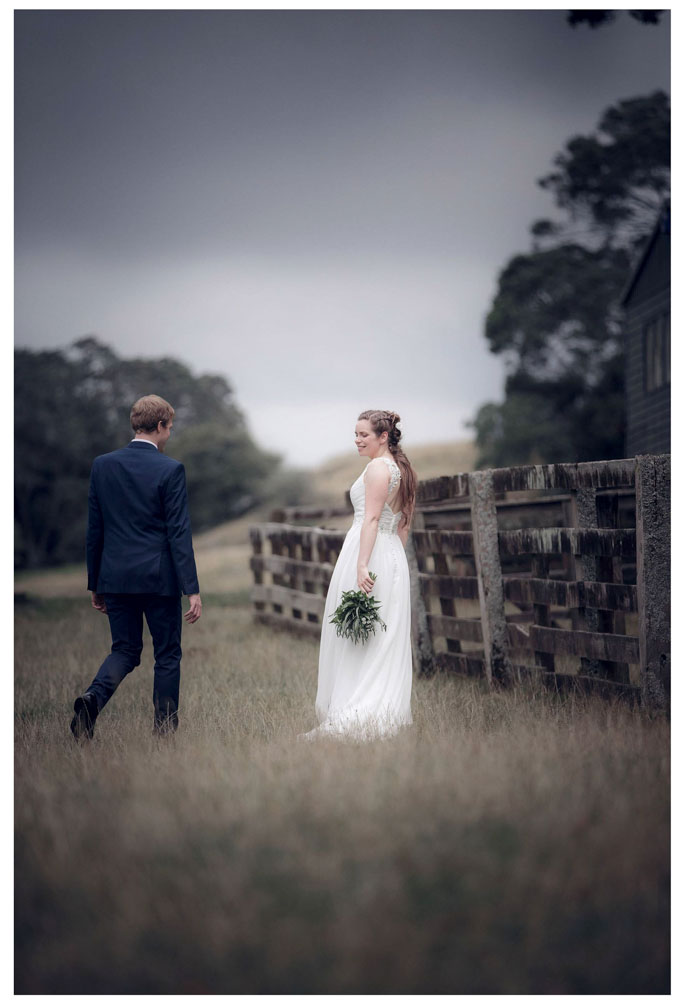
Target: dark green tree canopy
[595,18]
[540,324]
[613,181]
[556,315]
[74,404]
[117,383]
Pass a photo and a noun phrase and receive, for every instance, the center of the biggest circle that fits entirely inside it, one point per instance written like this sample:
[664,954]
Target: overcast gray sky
[315,204]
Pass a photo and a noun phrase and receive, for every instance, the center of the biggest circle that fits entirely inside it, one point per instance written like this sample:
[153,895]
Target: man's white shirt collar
[145,441]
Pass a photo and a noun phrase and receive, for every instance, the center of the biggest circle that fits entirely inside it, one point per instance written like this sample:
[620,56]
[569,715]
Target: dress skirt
[364,689]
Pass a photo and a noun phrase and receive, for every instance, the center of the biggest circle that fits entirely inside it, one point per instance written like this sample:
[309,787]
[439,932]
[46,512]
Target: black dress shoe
[83,721]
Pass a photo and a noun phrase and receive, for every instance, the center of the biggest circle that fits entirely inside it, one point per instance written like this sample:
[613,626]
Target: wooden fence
[556,571]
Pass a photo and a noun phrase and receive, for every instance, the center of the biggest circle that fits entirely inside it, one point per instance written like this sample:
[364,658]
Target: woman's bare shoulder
[376,470]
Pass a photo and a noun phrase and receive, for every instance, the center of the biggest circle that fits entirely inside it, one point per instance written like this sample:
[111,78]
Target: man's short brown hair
[148,411]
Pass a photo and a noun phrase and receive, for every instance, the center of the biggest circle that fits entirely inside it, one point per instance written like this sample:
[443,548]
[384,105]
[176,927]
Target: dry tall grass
[507,843]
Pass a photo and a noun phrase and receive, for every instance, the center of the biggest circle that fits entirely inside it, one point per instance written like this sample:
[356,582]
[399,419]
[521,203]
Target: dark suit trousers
[164,619]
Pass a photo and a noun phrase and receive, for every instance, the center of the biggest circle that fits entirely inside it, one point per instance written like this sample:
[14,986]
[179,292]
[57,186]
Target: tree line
[73,404]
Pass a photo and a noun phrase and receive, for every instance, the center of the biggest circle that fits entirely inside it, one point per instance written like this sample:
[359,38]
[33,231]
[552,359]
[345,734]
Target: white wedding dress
[364,689]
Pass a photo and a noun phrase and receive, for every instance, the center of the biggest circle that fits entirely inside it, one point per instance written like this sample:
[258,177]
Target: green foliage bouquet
[357,615]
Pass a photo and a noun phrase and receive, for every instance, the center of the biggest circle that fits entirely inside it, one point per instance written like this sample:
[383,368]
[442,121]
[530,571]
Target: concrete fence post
[489,576]
[653,561]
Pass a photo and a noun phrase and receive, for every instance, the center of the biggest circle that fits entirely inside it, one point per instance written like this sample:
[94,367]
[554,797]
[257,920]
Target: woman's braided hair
[387,420]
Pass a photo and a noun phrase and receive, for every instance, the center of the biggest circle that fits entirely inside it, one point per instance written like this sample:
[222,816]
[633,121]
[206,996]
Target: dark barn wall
[648,413]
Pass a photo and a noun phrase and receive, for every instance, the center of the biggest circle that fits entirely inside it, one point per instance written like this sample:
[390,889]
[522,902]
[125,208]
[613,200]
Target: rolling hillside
[223,552]
[333,478]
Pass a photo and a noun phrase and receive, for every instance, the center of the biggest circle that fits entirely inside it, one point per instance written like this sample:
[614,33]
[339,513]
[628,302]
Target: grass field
[507,843]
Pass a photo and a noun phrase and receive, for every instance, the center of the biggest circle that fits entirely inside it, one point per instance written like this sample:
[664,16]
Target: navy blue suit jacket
[139,539]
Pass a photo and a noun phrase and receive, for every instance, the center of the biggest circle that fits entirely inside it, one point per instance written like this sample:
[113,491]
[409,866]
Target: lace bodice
[388,520]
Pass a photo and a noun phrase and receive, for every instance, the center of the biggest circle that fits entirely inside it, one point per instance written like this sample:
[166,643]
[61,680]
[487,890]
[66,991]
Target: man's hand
[98,602]
[195,610]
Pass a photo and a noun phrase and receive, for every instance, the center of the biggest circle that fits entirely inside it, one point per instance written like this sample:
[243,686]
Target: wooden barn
[647,307]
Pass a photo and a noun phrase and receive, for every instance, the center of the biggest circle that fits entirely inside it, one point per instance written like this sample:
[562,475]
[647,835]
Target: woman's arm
[376,493]
[404,532]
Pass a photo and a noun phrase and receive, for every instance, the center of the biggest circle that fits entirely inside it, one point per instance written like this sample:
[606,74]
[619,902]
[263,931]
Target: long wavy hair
[385,420]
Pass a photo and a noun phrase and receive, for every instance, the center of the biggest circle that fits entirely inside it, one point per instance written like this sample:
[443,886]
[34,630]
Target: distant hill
[331,479]
[223,552]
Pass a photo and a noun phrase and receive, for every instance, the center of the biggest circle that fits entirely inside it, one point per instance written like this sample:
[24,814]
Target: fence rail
[291,579]
[555,571]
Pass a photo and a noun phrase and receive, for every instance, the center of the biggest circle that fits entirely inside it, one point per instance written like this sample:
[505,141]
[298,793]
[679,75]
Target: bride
[364,689]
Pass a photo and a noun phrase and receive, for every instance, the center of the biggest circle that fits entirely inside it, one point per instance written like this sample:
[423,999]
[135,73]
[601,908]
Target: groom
[140,562]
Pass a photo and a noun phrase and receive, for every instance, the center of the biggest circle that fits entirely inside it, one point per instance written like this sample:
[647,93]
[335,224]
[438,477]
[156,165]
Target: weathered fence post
[257,554]
[653,561]
[420,637]
[489,576]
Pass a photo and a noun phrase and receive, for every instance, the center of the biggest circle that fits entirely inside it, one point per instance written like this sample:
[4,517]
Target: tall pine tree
[555,317]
